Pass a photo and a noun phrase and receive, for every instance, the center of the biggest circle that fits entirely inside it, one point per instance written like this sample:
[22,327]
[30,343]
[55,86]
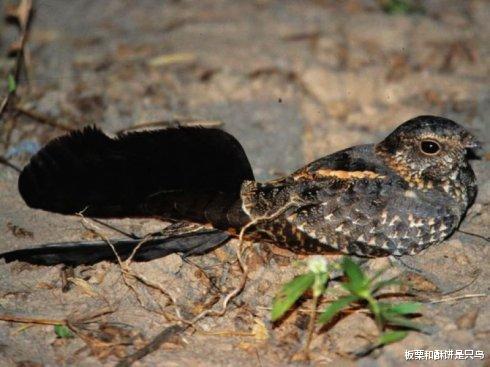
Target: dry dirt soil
[293,81]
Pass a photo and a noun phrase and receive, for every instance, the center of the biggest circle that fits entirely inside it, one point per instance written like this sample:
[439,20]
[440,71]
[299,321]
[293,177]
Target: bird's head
[428,148]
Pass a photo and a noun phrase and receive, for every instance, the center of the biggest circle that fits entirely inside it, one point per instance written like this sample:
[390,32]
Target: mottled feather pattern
[358,201]
[397,197]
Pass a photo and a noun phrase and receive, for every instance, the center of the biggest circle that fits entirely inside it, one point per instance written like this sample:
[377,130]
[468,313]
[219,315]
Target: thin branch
[43,119]
[311,327]
[23,14]
[13,317]
[241,261]
[4,103]
[474,235]
[164,336]
[42,320]
[115,229]
[450,299]
[167,333]
[125,266]
[5,162]
[189,122]
[464,286]
[89,317]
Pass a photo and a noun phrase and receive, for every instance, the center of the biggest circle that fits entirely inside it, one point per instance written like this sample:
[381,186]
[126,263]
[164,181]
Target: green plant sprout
[362,291]
[401,6]
[63,332]
[11,84]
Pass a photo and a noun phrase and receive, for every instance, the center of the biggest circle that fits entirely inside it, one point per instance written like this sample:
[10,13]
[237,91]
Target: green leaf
[290,293]
[357,279]
[403,322]
[401,7]
[11,84]
[402,308]
[63,331]
[335,307]
[397,7]
[389,337]
[384,339]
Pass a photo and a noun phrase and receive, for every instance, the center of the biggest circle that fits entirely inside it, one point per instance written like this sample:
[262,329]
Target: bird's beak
[470,142]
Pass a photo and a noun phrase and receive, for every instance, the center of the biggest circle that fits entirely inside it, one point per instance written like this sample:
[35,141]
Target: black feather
[90,252]
[174,172]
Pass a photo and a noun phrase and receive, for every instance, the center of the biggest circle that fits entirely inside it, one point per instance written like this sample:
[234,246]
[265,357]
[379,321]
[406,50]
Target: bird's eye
[430,147]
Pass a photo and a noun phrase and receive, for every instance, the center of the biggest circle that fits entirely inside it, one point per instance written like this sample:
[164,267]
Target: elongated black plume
[180,173]
[90,252]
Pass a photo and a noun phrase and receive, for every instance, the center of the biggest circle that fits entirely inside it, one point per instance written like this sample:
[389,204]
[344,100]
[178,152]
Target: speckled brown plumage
[396,197]
[391,198]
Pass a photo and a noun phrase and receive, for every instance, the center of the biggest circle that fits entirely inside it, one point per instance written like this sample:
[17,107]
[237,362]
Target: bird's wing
[371,215]
[123,176]
[344,201]
[319,181]
[349,215]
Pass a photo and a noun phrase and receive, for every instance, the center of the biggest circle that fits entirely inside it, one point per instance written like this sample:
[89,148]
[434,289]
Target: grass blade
[402,308]
[335,307]
[403,322]
[389,337]
[11,84]
[384,339]
[290,293]
[357,280]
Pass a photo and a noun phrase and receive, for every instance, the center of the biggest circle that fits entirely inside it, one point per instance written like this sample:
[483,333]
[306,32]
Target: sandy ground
[292,81]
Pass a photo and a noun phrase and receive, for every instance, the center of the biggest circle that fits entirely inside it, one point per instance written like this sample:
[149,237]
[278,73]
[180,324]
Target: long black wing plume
[181,173]
[178,173]
[90,252]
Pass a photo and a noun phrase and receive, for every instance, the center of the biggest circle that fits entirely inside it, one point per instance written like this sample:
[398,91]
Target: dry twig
[22,14]
[42,119]
[164,336]
[42,320]
[5,162]
[167,333]
[125,266]
[466,296]
[189,122]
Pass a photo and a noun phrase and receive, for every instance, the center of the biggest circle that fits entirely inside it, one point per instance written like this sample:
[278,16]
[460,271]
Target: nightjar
[396,197]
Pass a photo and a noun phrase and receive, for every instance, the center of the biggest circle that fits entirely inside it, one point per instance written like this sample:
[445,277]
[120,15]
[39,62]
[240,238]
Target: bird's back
[351,202]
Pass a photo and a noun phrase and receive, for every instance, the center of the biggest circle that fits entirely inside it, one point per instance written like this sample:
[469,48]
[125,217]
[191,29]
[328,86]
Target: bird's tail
[187,173]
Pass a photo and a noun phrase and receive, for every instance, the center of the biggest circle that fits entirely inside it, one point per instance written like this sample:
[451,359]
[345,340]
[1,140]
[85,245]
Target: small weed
[63,332]
[401,6]
[11,84]
[315,279]
[362,291]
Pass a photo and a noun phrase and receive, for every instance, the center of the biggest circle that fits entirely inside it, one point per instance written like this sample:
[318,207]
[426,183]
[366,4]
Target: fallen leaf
[177,58]
[260,330]
[84,286]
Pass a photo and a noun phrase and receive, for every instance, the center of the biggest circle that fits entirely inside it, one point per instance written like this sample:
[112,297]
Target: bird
[393,198]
